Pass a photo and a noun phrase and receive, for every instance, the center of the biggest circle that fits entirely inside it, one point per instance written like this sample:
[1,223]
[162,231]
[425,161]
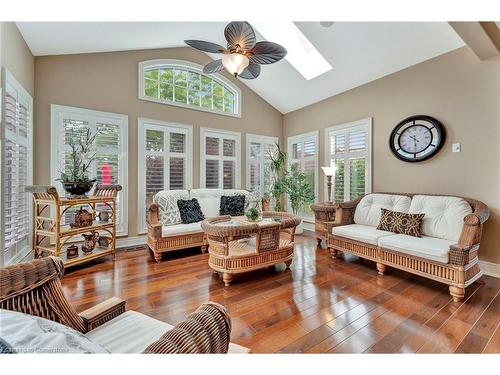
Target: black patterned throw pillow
[190,211]
[232,205]
[400,222]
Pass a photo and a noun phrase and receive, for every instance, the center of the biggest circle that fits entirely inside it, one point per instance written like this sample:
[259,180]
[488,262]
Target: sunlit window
[182,83]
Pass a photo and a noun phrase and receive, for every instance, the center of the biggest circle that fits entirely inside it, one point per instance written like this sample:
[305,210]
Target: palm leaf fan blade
[204,46]
[213,67]
[240,34]
[267,53]
[252,71]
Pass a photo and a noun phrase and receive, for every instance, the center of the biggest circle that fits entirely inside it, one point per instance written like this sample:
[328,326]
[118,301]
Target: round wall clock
[417,138]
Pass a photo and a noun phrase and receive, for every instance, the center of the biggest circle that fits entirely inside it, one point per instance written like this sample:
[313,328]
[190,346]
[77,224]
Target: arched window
[182,83]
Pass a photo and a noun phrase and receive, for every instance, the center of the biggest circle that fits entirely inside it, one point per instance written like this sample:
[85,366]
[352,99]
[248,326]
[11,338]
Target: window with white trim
[303,152]
[182,83]
[220,159]
[111,145]
[349,152]
[259,148]
[17,157]
[165,161]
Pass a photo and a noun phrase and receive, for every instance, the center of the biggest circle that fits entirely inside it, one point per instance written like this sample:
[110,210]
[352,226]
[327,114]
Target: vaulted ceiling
[359,52]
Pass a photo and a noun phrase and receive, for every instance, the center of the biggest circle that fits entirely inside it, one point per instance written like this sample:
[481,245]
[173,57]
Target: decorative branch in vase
[278,170]
[75,176]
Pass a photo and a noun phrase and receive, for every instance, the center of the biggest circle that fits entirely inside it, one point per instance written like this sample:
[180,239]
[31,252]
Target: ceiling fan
[243,55]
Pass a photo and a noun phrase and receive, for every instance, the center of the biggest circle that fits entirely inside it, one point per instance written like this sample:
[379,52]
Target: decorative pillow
[232,205]
[25,333]
[190,211]
[168,213]
[400,222]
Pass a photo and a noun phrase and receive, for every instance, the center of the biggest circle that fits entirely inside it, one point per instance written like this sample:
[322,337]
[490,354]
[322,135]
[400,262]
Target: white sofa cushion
[166,200]
[359,232]
[133,332]
[174,230]
[368,210]
[30,334]
[444,216]
[430,248]
[209,200]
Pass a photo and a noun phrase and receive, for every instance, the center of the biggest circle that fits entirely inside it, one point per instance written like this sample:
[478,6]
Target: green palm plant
[298,189]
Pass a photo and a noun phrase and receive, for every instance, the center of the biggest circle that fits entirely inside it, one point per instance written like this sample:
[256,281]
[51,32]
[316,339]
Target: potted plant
[75,176]
[299,191]
[278,170]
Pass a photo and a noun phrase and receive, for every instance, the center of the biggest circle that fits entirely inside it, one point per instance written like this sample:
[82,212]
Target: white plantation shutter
[17,173]
[303,152]
[110,164]
[219,159]
[258,162]
[349,151]
[165,161]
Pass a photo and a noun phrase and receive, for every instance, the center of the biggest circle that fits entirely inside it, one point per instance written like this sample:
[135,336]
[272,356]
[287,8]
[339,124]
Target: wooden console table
[51,236]
[323,214]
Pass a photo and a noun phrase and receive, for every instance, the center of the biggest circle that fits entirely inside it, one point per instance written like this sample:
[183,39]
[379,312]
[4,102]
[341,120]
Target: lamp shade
[235,63]
[328,171]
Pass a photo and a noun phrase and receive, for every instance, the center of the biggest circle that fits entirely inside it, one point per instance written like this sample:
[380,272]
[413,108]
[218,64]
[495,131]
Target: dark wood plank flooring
[319,306]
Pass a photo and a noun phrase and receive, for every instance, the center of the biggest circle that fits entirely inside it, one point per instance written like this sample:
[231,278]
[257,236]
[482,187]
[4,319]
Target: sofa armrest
[207,330]
[154,225]
[461,255]
[102,312]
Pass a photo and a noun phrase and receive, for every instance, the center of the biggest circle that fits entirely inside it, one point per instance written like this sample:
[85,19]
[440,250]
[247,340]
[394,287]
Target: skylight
[301,53]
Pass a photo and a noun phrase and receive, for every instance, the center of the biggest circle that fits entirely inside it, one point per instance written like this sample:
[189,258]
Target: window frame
[193,67]
[262,139]
[144,124]
[220,133]
[366,123]
[296,139]
[56,111]
[11,83]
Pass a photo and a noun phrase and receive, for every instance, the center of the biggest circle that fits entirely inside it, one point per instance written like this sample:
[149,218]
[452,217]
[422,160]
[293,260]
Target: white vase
[299,229]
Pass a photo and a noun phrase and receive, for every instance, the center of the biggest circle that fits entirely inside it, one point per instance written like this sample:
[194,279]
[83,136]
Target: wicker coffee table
[237,245]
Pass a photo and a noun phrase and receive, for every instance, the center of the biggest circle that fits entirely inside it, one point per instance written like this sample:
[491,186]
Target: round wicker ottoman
[237,245]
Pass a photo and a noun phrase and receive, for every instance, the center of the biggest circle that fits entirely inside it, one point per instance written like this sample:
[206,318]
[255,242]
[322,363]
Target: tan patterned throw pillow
[400,222]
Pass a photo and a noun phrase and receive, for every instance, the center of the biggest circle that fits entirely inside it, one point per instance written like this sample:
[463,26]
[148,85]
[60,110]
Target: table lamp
[329,172]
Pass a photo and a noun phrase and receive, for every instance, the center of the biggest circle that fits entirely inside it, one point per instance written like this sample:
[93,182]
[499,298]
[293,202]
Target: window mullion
[166,160]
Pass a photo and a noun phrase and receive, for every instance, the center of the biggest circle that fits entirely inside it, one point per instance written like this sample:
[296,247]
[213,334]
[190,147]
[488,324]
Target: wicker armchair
[249,246]
[35,288]
[461,270]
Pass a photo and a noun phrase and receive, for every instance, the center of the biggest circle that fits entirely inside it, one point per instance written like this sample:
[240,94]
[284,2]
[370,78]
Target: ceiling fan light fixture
[235,63]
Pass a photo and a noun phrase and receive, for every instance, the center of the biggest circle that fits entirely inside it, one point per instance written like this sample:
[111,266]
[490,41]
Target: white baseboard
[489,268]
[131,241]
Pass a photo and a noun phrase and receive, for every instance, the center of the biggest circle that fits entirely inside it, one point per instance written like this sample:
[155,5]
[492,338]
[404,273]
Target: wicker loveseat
[163,236]
[447,251]
[34,288]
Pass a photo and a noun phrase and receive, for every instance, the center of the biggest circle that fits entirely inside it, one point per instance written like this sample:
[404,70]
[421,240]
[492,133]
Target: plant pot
[78,189]
[299,229]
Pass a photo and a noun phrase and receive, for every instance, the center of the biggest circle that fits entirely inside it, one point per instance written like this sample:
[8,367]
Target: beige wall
[456,88]
[108,82]
[16,56]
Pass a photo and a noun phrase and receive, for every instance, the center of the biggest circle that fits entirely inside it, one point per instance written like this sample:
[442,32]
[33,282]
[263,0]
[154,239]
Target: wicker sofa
[164,237]
[34,288]
[447,251]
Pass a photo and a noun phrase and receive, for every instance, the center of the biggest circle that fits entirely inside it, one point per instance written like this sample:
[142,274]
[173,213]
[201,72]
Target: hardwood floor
[320,305]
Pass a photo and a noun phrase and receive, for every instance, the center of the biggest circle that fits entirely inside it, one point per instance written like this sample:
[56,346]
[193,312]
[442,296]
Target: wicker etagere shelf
[52,236]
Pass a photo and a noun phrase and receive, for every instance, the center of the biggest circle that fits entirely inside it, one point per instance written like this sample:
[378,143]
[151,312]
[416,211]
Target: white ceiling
[359,52]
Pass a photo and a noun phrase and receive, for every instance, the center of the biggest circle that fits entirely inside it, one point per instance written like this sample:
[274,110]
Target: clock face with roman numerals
[417,138]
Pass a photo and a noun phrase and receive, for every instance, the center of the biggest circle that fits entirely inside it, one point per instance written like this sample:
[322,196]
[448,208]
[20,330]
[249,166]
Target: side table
[324,213]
